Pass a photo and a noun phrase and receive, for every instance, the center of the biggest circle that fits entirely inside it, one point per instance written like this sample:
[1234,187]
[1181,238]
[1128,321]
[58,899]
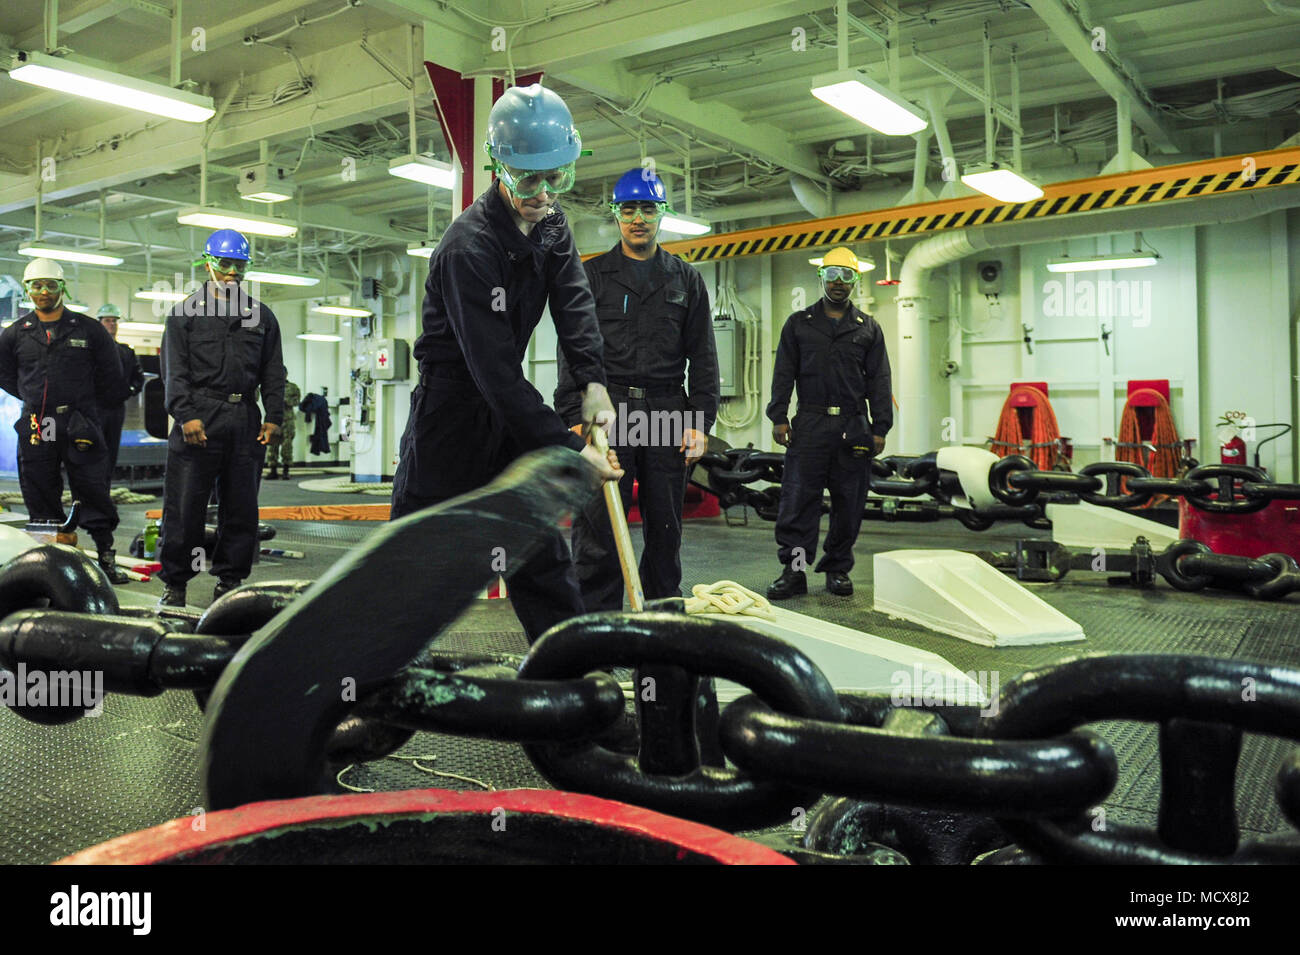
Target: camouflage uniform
[283,442]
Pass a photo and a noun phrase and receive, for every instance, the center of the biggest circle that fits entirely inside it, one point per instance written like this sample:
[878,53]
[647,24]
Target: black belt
[445,373]
[654,391]
[834,411]
[233,398]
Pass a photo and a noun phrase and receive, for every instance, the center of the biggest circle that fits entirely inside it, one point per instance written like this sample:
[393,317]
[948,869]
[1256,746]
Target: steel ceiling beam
[714,123]
[619,29]
[1078,41]
[1200,181]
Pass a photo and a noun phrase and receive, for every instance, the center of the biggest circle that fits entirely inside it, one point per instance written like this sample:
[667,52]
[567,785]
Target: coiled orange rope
[1166,459]
[1044,430]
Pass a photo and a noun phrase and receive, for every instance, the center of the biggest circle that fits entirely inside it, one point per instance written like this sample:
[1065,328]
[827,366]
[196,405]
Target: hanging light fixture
[872,104]
[1137,259]
[65,75]
[1000,181]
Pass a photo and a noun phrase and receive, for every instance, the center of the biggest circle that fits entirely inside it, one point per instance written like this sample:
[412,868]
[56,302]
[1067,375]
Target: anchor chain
[913,769]
[1015,481]
[1186,565]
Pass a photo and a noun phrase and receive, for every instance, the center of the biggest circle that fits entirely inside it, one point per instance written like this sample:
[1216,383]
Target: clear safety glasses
[838,273]
[530,183]
[648,211]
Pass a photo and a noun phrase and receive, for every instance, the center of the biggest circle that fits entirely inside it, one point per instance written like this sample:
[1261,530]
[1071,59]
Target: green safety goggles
[838,273]
[530,183]
[648,211]
[45,285]
[226,266]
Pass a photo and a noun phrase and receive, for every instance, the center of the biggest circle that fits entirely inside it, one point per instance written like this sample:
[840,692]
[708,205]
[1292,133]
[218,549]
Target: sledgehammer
[597,438]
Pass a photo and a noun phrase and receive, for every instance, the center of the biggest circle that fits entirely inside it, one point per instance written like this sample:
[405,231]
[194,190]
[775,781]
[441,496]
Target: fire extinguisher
[1232,449]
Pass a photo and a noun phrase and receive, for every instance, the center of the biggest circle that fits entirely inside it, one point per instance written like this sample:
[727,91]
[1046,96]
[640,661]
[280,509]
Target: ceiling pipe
[811,197]
[917,430]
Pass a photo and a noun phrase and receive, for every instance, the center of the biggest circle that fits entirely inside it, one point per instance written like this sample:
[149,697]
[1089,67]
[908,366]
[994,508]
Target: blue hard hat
[639,185]
[531,128]
[227,244]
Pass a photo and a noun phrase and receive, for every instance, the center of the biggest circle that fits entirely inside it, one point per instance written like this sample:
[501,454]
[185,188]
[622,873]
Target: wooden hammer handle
[618,523]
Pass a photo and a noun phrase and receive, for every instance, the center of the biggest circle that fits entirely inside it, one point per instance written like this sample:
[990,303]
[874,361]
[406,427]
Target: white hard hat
[108,310]
[43,269]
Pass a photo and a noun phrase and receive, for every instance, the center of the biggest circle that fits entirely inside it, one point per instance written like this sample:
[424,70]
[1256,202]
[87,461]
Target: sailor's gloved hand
[596,406]
[781,434]
[694,444]
[193,432]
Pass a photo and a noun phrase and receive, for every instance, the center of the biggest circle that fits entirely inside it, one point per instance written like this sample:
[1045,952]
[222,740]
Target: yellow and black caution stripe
[1211,177]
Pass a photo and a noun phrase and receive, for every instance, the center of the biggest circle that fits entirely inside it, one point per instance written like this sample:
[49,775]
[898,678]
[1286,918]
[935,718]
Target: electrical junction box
[391,359]
[729,337]
[263,182]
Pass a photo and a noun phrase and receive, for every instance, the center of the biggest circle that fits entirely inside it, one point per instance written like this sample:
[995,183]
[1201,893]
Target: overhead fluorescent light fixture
[146,327]
[1001,182]
[205,217]
[1097,263]
[860,97]
[156,295]
[684,224]
[65,75]
[315,337]
[267,196]
[281,278]
[431,172]
[424,248]
[341,310]
[864,265]
[40,250]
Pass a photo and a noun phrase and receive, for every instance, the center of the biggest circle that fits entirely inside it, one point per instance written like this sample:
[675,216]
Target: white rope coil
[727,596]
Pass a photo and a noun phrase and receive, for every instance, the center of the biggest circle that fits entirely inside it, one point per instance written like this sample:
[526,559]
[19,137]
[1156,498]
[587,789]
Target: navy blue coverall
[218,348]
[114,415]
[839,367]
[62,372]
[652,327]
[473,411]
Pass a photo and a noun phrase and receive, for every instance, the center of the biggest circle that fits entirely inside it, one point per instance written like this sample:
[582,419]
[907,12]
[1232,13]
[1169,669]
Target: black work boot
[274,475]
[108,564]
[286,472]
[172,596]
[224,587]
[838,583]
[790,582]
